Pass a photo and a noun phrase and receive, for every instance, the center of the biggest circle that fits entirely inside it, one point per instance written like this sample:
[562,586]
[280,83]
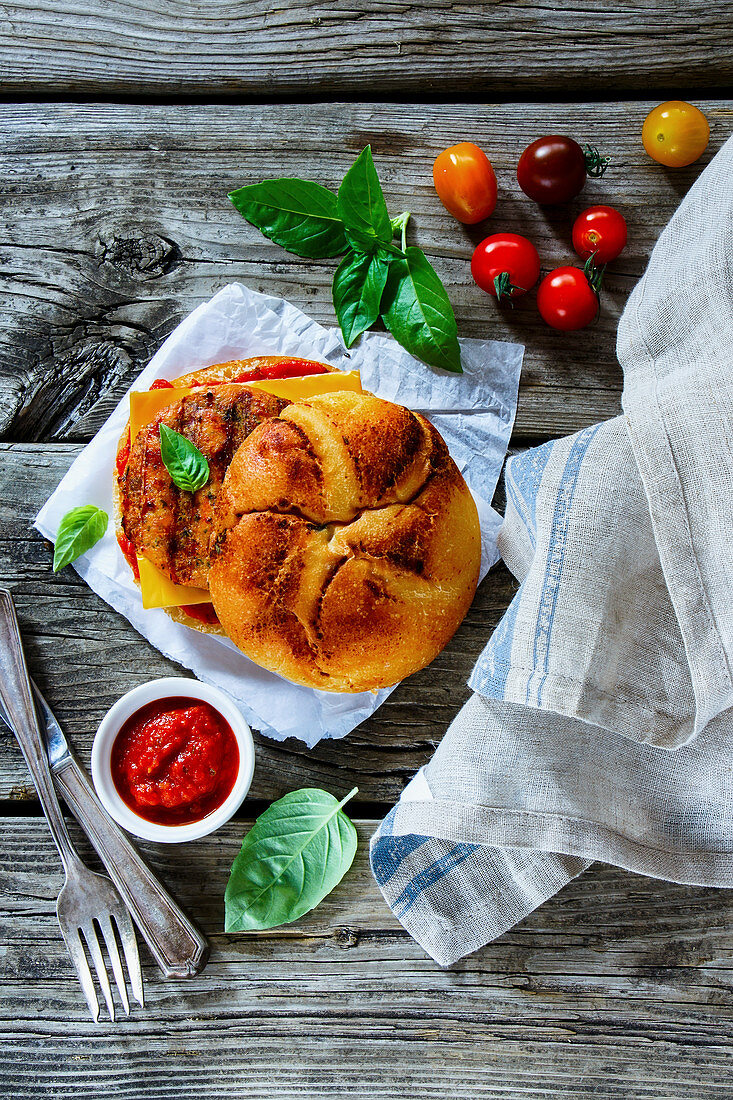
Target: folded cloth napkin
[600,727]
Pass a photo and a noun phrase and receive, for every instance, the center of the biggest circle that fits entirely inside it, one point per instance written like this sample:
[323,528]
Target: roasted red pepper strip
[128,552]
[290,368]
[203,612]
[123,456]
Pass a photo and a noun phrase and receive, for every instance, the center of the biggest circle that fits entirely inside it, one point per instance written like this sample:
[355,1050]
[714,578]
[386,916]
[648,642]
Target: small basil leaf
[78,531]
[361,203]
[292,857]
[188,468]
[358,286]
[418,313]
[301,217]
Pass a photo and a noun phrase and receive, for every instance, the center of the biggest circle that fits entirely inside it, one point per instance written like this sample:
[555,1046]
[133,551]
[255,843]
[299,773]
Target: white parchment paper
[474,413]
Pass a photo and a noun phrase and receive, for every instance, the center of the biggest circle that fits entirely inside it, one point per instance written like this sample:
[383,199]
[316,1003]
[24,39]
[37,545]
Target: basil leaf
[292,857]
[418,312]
[78,531]
[188,468]
[301,217]
[361,204]
[358,286]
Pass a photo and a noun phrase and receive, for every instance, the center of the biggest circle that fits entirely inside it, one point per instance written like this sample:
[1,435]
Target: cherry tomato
[552,169]
[600,232]
[465,182]
[566,300]
[675,133]
[505,265]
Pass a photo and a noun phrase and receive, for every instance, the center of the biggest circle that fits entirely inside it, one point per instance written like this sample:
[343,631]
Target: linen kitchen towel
[600,727]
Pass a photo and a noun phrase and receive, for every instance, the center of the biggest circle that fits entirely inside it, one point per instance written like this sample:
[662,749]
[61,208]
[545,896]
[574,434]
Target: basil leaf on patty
[188,468]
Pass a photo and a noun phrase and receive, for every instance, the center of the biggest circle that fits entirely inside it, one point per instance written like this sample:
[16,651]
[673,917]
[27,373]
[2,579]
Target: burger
[335,542]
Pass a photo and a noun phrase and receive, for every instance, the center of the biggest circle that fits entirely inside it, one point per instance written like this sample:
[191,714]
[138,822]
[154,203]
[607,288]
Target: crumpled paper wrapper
[474,413]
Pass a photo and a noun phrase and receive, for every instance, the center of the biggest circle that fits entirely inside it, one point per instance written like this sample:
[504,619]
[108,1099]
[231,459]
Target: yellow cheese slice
[144,407]
[298,389]
[159,591]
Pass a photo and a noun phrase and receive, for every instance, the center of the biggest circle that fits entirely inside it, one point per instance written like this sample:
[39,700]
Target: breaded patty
[171,526]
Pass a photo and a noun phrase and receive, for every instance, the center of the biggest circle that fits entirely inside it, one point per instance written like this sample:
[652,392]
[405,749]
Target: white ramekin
[167,688]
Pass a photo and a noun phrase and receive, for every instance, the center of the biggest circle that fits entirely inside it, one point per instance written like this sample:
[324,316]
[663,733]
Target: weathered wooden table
[123,128]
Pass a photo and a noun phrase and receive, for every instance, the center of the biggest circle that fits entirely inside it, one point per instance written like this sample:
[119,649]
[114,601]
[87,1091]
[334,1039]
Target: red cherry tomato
[566,300]
[553,169]
[600,232]
[505,265]
[465,182]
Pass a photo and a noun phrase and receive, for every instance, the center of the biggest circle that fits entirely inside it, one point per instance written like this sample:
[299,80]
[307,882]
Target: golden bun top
[347,548]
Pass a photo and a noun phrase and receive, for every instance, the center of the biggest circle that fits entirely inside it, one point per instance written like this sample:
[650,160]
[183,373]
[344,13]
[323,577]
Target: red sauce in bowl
[175,761]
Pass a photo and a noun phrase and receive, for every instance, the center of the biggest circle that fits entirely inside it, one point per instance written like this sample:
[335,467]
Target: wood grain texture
[114,223]
[311,48]
[620,987]
[84,656]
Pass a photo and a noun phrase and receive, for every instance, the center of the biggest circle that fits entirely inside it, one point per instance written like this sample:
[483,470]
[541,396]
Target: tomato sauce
[175,761]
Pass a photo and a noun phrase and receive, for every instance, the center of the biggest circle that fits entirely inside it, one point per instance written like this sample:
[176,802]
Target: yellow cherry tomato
[675,133]
[465,182]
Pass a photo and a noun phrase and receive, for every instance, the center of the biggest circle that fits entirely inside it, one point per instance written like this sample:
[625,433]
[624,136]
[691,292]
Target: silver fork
[88,902]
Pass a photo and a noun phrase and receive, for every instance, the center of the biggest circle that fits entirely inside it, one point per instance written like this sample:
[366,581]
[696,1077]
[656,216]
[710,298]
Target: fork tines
[77,937]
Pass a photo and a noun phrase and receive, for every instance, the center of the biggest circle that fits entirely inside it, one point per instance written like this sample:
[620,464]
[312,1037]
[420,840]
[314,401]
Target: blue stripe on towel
[522,481]
[490,674]
[556,557]
[389,852]
[430,875]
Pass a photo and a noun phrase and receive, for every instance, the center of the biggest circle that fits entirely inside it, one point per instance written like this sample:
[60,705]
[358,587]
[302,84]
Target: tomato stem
[594,274]
[504,286]
[595,164]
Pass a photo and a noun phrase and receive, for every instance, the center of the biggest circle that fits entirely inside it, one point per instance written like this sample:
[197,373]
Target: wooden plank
[620,987]
[115,224]
[84,656]
[188,47]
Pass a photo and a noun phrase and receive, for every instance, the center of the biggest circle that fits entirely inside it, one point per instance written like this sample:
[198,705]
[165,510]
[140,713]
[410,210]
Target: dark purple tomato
[552,169]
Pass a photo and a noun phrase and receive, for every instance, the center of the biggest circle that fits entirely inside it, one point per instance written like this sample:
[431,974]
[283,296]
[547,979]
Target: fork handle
[15,692]
[178,947]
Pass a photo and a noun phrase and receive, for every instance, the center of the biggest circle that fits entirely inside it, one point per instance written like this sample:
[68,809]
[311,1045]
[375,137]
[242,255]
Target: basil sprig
[78,532]
[377,277]
[188,468]
[301,217]
[292,857]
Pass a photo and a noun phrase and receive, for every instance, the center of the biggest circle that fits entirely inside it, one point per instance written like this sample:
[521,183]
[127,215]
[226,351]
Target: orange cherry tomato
[675,133]
[465,182]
